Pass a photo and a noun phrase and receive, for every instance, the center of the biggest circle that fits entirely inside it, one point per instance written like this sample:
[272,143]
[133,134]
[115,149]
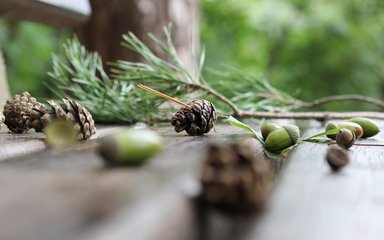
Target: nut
[331,126]
[130,147]
[336,158]
[345,138]
[354,127]
[370,128]
[282,138]
[267,128]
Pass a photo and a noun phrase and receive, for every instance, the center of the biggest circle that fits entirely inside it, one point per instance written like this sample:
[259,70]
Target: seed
[130,147]
[336,158]
[345,138]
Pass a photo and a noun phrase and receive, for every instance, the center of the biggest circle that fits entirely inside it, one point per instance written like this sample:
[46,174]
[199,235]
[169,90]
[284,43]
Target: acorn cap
[370,128]
[294,132]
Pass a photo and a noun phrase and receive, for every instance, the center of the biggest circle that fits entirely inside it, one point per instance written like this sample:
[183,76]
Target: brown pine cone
[196,119]
[72,112]
[18,110]
[2,118]
[236,178]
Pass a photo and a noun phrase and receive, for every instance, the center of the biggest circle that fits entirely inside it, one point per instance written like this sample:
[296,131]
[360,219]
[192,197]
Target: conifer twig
[161,94]
[296,103]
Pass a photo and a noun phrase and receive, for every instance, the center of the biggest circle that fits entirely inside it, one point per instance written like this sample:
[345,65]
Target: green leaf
[233,121]
[322,134]
[272,155]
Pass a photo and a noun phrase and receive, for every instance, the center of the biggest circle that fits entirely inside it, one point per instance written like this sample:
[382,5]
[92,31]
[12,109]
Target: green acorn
[130,147]
[354,127]
[370,128]
[329,127]
[282,138]
[267,128]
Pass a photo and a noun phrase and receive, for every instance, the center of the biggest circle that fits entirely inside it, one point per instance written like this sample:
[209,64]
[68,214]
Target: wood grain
[311,202]
[71,195]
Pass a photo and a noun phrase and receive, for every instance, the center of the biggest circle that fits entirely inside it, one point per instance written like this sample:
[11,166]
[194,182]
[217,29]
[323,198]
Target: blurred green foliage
[27,49]
[310,49]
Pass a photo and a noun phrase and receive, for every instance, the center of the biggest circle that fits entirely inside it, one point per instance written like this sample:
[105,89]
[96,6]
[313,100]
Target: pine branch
[299,104]
[116,98]
[321,116]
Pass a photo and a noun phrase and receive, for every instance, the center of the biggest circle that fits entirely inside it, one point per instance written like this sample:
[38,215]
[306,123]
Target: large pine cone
[71,112]
[236,178]
[196,119]
[19,109]
[2,118]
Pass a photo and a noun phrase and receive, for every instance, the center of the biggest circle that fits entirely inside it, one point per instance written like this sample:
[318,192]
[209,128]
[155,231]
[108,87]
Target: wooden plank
[64,195]
[311,202]
[41,12]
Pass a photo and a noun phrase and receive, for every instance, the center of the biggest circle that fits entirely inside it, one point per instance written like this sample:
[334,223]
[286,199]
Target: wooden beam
[41,12]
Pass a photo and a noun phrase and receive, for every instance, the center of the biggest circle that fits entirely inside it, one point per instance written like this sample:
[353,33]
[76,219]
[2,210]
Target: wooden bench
[50,194]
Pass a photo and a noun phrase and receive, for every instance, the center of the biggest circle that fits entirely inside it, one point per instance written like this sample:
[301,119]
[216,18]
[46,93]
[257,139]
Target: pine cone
[196,119]
[2,118]
[236,178]
[17,111]
[71,112]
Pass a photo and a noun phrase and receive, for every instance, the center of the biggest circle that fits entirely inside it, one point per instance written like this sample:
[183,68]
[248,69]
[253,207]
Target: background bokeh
[309,49]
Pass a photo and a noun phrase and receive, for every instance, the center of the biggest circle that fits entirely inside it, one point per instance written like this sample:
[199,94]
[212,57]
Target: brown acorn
[336,158]
[345,138]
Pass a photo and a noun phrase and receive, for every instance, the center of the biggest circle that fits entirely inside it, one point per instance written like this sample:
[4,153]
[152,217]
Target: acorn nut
[130,147]
[267,128]
[354,127]
[329,127]
[282,138]
[370,128]
[336,158]
[345,138]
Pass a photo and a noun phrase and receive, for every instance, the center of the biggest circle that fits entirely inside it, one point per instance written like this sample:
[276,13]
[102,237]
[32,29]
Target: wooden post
[4,90]
[111,19]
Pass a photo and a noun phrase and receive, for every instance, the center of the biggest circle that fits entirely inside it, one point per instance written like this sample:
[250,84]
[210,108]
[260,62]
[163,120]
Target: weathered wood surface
[42,12]
[311,202]
[48,194]
[70,195]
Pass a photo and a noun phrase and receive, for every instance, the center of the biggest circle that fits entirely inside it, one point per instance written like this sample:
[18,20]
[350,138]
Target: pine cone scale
[196,119]
[23,112]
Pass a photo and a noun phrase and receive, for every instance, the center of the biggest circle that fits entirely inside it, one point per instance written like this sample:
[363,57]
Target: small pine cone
[236,178]
[72,112]
[196,119]
[18,110]
[2,118]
